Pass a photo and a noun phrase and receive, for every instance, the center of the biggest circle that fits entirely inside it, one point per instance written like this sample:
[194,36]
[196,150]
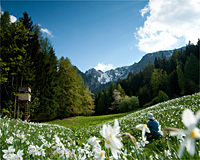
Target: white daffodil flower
[32,150]
[40,151]
[111,141]
[19,155]
[9,154]
[94,142]
[67,153]
[192,132]
[198,116]
[144,129]
[144,142]
[99,154]
[124,154]
[167,153]
[59,144]
[160,131]
[9,140]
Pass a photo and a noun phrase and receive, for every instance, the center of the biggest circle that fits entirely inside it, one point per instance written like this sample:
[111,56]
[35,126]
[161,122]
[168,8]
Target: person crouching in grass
[153,126]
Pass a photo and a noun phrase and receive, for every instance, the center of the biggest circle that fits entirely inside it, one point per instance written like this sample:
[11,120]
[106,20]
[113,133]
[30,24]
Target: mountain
[97,80]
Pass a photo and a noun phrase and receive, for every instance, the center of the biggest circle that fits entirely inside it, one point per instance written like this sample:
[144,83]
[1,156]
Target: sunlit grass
[80,121]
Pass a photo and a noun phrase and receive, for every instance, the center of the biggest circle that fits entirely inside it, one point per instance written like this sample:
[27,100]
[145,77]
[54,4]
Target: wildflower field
[110,140]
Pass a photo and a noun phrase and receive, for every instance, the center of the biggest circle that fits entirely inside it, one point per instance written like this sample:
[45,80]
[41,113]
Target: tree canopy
[28,59]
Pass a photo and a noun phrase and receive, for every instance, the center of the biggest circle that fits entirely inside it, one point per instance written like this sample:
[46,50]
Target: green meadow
[80,121]
[68,138]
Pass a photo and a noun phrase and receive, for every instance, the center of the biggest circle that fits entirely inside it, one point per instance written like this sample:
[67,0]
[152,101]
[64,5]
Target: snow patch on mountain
[96,78]
[113,75]
[104,78]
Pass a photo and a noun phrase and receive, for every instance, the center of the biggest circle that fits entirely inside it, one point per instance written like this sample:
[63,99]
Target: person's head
[150,116]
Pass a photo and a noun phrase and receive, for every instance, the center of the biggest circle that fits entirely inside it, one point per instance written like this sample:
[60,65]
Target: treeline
[114,100]
[158,82]
[28,59]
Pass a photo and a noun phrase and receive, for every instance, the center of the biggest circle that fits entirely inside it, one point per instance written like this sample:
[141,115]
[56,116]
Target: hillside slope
[43,141]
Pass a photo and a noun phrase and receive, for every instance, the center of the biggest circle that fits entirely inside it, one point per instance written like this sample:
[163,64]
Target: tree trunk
[18,111]
[15,106]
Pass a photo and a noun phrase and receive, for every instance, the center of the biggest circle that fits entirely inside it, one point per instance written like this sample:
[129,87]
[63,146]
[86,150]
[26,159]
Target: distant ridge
[97,80]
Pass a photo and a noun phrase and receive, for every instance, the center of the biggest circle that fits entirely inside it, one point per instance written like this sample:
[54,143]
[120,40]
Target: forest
[165,79]
[28,59]
[58,90]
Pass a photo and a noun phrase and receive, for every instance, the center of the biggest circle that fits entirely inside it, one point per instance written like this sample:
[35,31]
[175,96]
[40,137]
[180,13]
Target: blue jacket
[153,125]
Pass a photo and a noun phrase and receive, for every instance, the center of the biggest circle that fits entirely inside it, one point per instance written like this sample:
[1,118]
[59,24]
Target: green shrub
[134,102]
[161,97]
[128,104]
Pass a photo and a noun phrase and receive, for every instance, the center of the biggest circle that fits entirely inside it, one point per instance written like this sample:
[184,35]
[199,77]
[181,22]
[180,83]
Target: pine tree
[33,47]
[159,81]
[174,90]
[14,56]
[147,72]
[47,84]
[120,89]
[191,69]
[28,23]
[181,78]
[88,102]
[100,104]
[111,88]
[74,97]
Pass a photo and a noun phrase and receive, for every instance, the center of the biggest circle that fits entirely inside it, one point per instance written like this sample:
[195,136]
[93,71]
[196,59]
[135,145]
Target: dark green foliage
[191,68]
[74,98]
[148,70]
[174,89]
[15,61]
[5,20]
[181,79]
[28,59]
[87,102]
[120,89]
[100,104]
[28,23]
[46,83]
[159,80]
[195,49]
[103,100]
[125,105]
[128,104]
[166,79]
[161,97]
[145,95]
[161,63]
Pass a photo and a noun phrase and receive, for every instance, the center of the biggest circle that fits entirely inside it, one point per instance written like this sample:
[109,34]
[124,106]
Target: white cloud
[13,19]
[44,30]
[104,67]
[169,22]
[144,11]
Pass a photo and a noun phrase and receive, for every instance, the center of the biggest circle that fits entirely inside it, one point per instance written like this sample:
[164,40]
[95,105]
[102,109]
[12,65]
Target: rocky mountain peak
[96,79]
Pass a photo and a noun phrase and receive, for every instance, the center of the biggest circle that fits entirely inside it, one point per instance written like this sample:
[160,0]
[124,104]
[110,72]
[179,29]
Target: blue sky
[111,34]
